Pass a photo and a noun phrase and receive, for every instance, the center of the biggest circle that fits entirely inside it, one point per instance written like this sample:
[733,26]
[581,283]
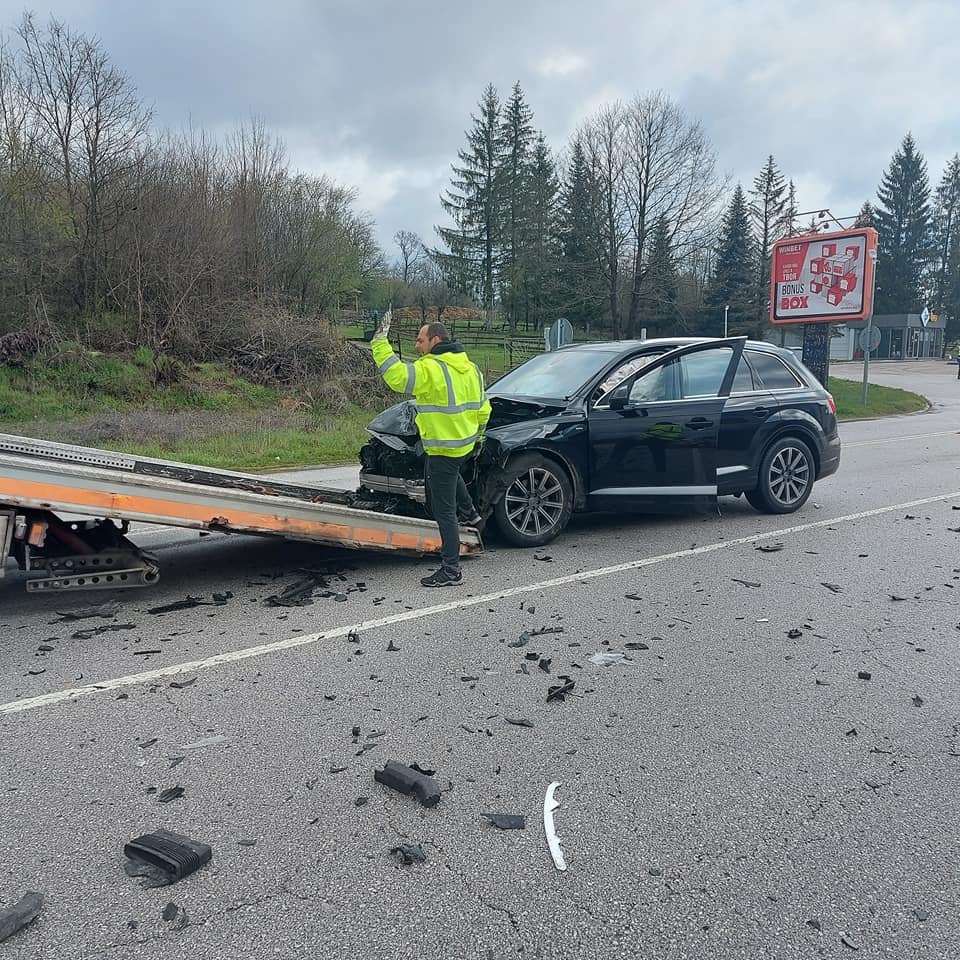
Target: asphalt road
[731,789]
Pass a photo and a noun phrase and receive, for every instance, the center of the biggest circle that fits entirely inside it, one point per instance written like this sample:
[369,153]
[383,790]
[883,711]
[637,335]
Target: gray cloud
[379,94]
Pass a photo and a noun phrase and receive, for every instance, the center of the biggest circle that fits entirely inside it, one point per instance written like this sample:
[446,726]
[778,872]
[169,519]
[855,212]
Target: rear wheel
[786,477]
[537,502]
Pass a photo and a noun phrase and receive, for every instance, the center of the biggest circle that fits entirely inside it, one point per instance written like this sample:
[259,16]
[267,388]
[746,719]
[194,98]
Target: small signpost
[819,279]
[559,333]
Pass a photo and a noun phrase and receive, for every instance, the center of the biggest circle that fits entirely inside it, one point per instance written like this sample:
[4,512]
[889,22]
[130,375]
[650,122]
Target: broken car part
[506,821]
[164,857]
[549,805]
[19,914]
[408,781]
[409,853]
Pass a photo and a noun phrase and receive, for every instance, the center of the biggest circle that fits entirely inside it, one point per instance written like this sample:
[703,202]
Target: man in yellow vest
[452,413]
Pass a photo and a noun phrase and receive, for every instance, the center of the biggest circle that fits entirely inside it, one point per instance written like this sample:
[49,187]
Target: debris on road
[864,675]
[297,594]
[560,691]
[606,658]
[769,547]
[832,587]
[106,610]
[182,684]
[171,793]
[794,634]
[746,583]
[103,628]
[544,664]
[19,914]
[521,641]
[518,721]
[506,821]
[406,780]
[162,857]
[188,603]
[848,941]
[392,647]
[917,700]
[205,742]
[409,853]
[553,842]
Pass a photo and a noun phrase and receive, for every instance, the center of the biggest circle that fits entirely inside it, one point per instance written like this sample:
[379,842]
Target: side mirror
[620,398]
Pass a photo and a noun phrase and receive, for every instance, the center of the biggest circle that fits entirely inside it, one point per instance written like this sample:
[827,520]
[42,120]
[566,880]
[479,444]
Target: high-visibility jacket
[447,387]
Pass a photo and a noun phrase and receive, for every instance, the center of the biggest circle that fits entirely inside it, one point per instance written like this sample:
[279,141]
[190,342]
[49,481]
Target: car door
[653,438]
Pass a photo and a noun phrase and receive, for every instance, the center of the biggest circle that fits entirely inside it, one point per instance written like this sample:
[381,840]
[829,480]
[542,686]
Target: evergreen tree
[539,254]
[733,282]
[867,217]
[581,288]
[946,279]
[471,262]
[661,284]
[788,221]
[903,221]
[766,211]
[516,138]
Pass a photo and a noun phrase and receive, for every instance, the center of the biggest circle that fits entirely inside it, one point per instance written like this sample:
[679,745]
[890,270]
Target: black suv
[647,426]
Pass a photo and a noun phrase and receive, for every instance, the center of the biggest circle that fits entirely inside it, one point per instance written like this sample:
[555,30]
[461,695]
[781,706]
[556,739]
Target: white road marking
[247,653]
[913,436]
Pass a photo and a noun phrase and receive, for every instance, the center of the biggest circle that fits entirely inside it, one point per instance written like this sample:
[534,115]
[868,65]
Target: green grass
[333,440]
[881,401]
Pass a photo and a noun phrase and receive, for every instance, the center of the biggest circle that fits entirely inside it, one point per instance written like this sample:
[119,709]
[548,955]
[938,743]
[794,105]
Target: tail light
[832,403]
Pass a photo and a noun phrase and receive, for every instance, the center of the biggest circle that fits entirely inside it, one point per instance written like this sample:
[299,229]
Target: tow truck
[65,512]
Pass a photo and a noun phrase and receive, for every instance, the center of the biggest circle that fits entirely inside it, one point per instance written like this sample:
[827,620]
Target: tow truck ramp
[41,480]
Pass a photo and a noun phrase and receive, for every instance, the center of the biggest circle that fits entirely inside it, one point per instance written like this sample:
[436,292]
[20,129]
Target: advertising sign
[823,278]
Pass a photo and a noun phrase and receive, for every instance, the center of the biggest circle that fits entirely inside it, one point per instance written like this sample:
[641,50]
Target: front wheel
[786,477]
[537,502]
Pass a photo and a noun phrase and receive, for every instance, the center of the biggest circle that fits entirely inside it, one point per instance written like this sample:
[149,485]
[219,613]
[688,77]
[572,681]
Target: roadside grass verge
[881,401]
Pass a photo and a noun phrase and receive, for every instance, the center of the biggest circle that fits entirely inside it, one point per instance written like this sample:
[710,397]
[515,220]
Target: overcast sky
[379,94]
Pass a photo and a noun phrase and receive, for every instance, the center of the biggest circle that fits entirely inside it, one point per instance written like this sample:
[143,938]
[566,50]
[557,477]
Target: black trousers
[448,498]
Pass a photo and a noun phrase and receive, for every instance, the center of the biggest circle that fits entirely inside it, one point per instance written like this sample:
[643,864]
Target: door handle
[699,423]
[761,411]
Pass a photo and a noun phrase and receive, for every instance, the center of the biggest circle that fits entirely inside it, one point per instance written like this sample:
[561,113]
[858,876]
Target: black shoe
[443,578]
[472,521]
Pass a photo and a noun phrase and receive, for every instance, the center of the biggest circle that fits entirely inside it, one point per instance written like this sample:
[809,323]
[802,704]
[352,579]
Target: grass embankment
[206,415]
[881,401]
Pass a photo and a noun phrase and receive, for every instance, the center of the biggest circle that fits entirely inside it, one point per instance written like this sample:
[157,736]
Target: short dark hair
[437,329]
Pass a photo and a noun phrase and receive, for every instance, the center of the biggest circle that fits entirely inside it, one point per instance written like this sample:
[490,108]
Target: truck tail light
[833,404]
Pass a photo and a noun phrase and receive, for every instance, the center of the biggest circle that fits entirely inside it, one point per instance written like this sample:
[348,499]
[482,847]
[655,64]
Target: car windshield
[556,375]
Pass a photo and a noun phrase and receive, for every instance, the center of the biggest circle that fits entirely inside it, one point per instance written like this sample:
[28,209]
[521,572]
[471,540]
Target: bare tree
[412,252]
[669,175]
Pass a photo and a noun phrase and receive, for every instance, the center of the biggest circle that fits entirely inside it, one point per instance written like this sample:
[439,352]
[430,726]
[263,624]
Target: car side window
[621,373]
[703,371]
[655,385]
[743,381]
[772,372]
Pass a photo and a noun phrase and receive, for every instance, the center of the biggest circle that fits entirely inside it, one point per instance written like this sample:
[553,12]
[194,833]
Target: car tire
[536,503]
[786,476]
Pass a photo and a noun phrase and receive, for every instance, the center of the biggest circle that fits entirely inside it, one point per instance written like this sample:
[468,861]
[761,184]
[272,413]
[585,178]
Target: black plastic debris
[632,596]
[544,664]
[532,656]
[746,583]
[426,771]
[171,793]
[183,684]
[921,915]
[163,857]
[506,821]
[105,610]
[297,594]
[361,801]
[247,842]
[406,780]
[188,603]
[409,853]
[103,628]
[18,915]
[769,547]
[392,647]
[815,924]
[544,630]
[146,653]
[560,691]
[521,641]
[864,675]
[917,700]
[518,721]
[545,558]
[636,645]
[832,587]
[170,911]
[849,941]
[794,634]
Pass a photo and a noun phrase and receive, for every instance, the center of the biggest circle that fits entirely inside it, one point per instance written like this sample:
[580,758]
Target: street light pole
[726,311]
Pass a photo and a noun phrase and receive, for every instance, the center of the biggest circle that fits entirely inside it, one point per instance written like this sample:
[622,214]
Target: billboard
[823,277]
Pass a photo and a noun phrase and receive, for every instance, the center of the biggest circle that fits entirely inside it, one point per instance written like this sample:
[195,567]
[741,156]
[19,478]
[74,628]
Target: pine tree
[471,262]
[516,138]
[539,254]
[581,287]
[788,221]
[946,279]
[867,217]
[661,284]
[733,282]
[766,212]
[904,225]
